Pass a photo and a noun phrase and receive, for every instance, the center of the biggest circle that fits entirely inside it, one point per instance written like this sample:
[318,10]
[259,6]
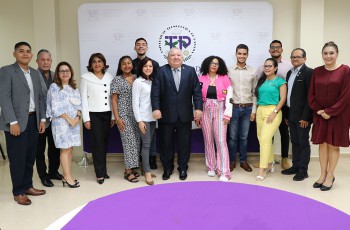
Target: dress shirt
[243,82]
[178,74]
[283,67]
[141,100]
[30,83]
[293,75]
[95,94]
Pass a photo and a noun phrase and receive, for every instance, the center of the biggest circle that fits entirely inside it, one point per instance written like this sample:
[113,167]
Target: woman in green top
[271,92]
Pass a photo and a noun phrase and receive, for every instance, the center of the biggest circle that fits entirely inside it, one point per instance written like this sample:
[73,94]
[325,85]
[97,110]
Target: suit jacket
[299,107]
[45,89]
[15,97]
[175,104]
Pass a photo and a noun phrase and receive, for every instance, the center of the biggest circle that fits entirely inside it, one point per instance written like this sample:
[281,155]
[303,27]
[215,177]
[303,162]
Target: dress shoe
[292,170]
[256,165]
[166,175]
[153,162]
[183,175]
[22,199]
[244,165]
[35,192]
[326,188]
[285,164]
[232,165]
[100,180]
[300,176]
[317,185]
[107,177]
[47,182]
[56,176]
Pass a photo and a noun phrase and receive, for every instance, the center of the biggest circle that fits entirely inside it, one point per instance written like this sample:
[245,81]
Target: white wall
[52,24]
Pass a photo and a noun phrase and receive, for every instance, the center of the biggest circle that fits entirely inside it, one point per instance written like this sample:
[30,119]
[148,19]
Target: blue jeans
[239,128]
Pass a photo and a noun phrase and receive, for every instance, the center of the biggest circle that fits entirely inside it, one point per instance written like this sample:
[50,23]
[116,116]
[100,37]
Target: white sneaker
[223,178]
[211,173]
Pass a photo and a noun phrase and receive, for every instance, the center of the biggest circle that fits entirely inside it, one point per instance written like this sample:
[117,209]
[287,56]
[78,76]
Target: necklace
[212,81]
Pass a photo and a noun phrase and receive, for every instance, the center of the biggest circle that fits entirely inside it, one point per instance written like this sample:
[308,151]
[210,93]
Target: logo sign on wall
[199,29]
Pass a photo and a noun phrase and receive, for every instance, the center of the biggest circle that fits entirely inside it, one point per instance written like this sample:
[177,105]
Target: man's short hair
[302,50]
[22,44]
[42,51]
[140,39]
[242,46]
[276,41]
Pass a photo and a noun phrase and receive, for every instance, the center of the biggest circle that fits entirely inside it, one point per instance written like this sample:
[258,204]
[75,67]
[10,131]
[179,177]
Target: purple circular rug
[207,205]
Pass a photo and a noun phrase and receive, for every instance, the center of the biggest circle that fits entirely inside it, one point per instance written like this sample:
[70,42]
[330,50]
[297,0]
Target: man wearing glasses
[283,67]
[299,114]
[243,78]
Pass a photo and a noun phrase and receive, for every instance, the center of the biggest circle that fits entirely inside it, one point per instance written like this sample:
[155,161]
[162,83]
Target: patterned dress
[131,136]
[59,102]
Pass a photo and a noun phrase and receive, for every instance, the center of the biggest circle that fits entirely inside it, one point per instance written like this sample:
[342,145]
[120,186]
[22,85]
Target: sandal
[135,173]
[133,179]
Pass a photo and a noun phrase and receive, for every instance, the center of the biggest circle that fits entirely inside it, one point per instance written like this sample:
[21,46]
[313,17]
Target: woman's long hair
[57,79]
[140,73]
[262,78]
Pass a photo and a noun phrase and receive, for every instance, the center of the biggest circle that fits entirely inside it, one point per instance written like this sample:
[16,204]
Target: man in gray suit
[22,117]
[44,62]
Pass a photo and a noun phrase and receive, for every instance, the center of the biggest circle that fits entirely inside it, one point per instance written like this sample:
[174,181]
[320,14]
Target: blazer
[299,107]
[175,104]
[15,97]
[45,89]
[95,94]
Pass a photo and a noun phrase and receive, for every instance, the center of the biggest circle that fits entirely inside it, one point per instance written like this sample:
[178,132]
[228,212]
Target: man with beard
[243,78]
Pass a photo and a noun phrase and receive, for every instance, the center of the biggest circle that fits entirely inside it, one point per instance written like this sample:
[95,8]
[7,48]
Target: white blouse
[141,100]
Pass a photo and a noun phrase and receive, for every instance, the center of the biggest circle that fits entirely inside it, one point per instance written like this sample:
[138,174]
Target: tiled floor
[60,200]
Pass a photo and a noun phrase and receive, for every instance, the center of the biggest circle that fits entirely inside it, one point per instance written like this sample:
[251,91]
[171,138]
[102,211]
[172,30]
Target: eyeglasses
[214,64]
[275,47]
[64,71]
[268,66]
[295,57]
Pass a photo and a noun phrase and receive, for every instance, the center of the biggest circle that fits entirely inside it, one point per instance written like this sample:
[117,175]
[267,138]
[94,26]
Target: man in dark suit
[46,78]
[299,114]
[174,88]
[22,116]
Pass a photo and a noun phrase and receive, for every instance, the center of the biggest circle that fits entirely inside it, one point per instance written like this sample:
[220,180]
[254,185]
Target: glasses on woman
[268,66]
[214,64]
[64,71]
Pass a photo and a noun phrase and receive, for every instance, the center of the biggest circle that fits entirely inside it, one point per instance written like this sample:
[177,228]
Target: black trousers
[21,152]
[100,126]
[53,154]
[182,130]
[300,146]
[283,128]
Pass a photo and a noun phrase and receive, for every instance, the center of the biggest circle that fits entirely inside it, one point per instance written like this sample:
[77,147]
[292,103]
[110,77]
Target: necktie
[176,78]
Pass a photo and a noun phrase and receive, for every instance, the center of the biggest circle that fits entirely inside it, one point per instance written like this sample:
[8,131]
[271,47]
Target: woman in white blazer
[97,115]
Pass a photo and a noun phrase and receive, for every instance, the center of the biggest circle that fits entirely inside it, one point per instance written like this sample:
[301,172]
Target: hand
[198,123]
[303,124]
[121,125]
[198,114]
[252,116]
[15,130]
[87,125]
[157,114]
[142,127]
[320,112]
[271,117]
[42,127]
[325,116]
[226,121]
[112,123]
[286,121]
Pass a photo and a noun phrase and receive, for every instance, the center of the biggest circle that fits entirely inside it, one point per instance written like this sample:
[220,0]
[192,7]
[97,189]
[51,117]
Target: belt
[242,105]
[31,113]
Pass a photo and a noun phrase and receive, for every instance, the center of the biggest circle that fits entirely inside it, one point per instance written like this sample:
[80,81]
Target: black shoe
[47,182]
[56,176]
[183,175]
[153,162]
[166,175]
[300,176]
[325,188]
[107,177]
[317,185]
[100,181]
[290,171]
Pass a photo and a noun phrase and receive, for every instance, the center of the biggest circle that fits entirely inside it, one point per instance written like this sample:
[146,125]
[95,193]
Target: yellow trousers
[266,132]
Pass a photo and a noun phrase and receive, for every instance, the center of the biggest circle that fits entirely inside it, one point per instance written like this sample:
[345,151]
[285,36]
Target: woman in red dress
[329,99]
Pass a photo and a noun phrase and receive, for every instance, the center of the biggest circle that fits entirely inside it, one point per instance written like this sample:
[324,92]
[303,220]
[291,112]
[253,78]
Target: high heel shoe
[271,169]
[64,182]
[261,178]
[326,188]
[317,185]
[100,180]
[151,182]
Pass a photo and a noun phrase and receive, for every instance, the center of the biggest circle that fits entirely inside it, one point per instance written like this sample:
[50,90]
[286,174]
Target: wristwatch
[275,111]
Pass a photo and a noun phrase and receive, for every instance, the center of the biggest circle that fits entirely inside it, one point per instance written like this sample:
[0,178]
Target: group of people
[39,106]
